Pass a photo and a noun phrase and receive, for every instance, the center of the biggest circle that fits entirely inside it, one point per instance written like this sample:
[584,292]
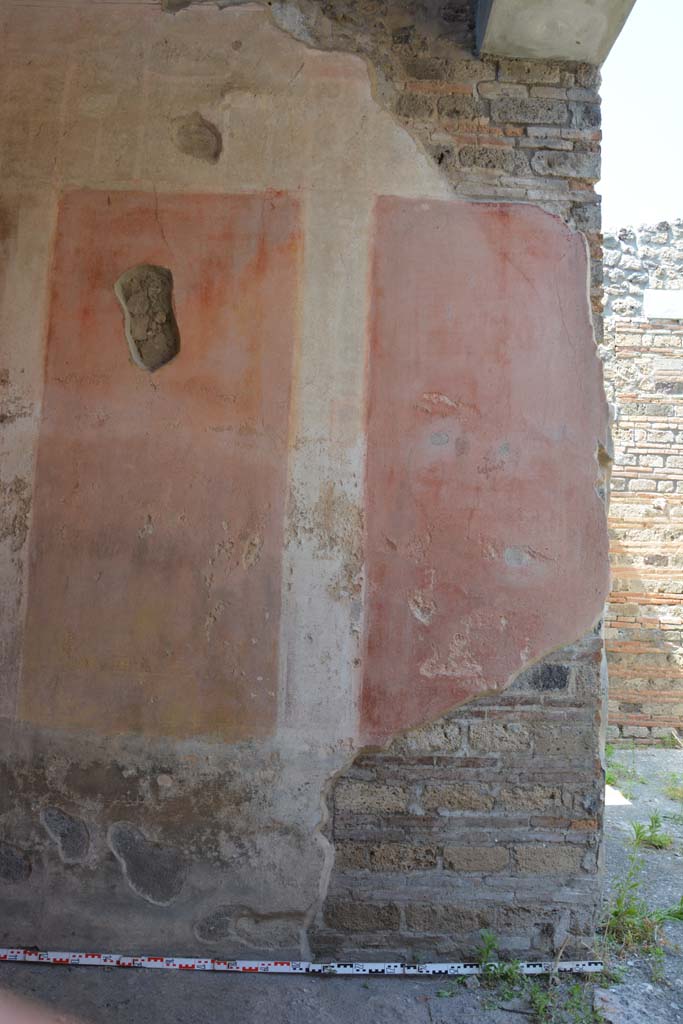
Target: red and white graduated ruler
[185,963]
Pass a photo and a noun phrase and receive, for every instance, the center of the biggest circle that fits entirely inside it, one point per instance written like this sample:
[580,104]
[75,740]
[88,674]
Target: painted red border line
[180,963]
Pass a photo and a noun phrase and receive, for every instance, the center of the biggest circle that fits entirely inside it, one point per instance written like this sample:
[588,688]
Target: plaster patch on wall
[335,523]
[422,606]
[457,663]
[15,865]
[216,925]
[251,551]
[12,405]
[155,872]
[195,136]
[15,506]
[68,832]
[517,557]
[146,296]
[258,931]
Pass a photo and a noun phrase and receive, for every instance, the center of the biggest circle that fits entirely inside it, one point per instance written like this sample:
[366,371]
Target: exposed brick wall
[644,380]
[492,814]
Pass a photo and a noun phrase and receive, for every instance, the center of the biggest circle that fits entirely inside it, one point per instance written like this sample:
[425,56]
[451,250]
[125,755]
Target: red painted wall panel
[156,544]
[486,539]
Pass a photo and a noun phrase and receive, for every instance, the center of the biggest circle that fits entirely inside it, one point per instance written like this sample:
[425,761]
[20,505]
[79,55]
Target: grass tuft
[630,926]
[652,835]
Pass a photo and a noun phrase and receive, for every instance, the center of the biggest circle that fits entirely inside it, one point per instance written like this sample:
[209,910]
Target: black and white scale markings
[184,963]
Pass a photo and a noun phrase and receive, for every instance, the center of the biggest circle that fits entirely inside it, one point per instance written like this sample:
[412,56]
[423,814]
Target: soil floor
[110,996]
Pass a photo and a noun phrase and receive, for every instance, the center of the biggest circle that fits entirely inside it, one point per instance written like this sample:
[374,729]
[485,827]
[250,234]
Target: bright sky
[642,118]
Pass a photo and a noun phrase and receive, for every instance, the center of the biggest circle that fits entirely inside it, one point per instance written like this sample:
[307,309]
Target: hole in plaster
[195,136]
[146,296]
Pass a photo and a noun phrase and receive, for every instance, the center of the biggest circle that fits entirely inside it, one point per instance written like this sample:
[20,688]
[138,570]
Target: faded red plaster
[486,539]
[156,546]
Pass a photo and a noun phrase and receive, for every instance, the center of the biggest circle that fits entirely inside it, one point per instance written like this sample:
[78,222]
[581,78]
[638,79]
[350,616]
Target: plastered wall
[341,510]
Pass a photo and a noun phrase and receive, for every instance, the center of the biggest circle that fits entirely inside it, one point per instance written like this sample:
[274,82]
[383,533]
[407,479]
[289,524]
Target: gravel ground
[146,997]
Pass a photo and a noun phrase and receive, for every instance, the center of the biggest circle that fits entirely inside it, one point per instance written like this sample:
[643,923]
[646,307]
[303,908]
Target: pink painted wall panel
[486,539]
[156,544]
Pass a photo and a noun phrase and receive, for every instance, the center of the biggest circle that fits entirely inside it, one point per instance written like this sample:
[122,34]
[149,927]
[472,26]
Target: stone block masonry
[643,374]
[488,817]
[248,704]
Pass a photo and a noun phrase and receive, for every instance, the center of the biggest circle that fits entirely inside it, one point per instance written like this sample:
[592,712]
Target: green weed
[453,986]
[657,965]
[541,1001]
[488,950]
[562,1004]
[487,955]
[630,925]
[504,976]
[612,973]
[549,999]
[651,835]
[579,1005]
